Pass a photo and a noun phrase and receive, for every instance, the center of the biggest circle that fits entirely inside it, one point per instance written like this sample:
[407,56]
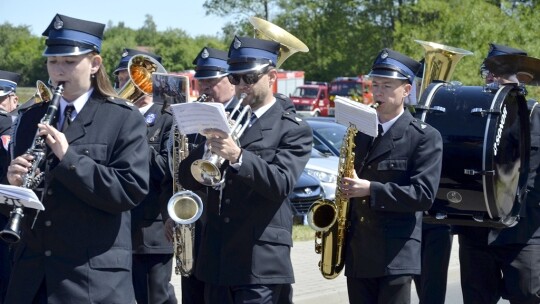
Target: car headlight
[322,176]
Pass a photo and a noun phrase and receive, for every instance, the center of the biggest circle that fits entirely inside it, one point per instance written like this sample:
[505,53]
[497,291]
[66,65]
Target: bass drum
[486,140]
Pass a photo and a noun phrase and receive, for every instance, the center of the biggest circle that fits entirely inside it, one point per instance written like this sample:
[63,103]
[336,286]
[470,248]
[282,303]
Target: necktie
[381,131]
[67,117]
[252,119]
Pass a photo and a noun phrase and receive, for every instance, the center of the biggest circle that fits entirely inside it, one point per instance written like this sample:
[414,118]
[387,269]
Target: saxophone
[184,207]
[329,218]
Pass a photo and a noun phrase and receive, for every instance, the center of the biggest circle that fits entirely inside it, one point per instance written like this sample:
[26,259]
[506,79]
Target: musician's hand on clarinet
[18,167]
[55,139]
[222,144]
[354,186]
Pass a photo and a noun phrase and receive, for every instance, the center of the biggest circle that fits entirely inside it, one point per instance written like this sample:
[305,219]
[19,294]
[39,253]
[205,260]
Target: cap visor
[243,68]
[64,50]
[208,74]
[385,73]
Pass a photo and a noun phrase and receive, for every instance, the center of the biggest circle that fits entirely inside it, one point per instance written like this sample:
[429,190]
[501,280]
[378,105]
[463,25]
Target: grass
[303,233]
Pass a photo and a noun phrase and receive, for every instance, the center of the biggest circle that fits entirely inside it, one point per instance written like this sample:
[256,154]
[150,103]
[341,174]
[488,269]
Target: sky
[188,15]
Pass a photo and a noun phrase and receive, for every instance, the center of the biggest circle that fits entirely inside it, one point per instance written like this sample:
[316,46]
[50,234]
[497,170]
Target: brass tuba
[439,62]
[140,69]
[269,31]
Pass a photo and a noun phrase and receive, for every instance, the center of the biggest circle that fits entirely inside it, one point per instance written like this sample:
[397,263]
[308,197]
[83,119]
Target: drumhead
[486,140]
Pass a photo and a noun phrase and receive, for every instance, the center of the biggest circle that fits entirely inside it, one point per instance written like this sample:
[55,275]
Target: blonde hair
[101,82]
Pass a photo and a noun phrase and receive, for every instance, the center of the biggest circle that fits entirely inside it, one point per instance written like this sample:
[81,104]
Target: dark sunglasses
[249,78]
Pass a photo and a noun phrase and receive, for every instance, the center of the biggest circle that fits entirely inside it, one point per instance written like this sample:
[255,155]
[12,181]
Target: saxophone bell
[185,207]
[322,215]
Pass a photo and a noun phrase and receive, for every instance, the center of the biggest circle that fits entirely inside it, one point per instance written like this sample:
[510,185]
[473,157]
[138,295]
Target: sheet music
[194,117]
[362,116]
[19,196]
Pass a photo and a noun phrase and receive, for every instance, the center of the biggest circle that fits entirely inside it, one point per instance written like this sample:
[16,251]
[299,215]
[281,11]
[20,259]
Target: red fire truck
[311,99]
[356,88]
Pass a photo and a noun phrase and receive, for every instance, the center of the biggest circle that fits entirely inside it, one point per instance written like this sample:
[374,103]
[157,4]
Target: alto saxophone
[330,219]
[31,179]
[184,207]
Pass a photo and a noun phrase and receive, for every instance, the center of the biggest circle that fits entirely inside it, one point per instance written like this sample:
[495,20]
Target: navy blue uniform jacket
[248,240]
[81,244]
[386,228]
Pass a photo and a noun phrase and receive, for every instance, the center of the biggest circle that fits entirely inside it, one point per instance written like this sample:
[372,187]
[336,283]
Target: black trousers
[248,294]
[152,277]
[491,272]
[384,290]
[436,249]
[192,290]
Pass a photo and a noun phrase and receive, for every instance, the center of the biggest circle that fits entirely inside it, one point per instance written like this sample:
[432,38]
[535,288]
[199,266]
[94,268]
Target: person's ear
[96,63]
[407,89]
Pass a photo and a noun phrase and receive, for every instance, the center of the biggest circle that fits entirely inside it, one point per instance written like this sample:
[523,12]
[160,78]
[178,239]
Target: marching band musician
[505,263]
[211,73]
[245,248]
[78,250]
[152,251]
[8,102]
[396,178]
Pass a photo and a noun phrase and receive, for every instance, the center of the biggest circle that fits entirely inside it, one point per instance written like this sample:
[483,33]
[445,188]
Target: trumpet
[207,170]
[31,179]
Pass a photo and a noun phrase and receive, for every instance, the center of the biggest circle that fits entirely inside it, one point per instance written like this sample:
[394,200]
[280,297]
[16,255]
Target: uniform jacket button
[227,201]
[226,220]
[50,191]
[229,182]
[71,167]
[364,201]
[86,151]
[48,253]
[369,166]
[48,223]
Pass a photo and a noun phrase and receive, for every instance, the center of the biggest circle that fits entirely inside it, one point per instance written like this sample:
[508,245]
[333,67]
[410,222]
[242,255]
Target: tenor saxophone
[184,207]
[329,218]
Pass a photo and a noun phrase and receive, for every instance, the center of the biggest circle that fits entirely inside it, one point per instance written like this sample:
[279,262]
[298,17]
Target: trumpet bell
[269,31]
[206,172]
[140,69]
[185,207]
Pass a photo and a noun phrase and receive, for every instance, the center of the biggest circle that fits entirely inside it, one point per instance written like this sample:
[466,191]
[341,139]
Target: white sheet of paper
[193,117]
[362,116]
[19,196]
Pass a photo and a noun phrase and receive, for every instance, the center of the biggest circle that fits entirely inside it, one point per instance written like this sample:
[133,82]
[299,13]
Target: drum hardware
[479,218]
[481,112]
[475,172]
[441,216]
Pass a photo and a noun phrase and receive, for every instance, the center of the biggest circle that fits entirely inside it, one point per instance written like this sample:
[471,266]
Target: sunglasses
[249,78]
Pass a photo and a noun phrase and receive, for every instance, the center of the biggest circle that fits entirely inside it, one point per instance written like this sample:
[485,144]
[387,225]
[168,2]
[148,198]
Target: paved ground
[312,288]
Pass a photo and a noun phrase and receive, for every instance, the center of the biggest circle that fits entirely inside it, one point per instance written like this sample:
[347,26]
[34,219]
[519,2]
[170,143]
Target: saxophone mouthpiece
[376,105]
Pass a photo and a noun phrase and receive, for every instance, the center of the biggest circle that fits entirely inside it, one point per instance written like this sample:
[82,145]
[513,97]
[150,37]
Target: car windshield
[328,134]
[305,92]
[345,88]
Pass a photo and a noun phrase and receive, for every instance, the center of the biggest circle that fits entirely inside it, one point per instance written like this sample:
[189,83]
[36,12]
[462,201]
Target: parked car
[306,191]
[327,134]
[324,167]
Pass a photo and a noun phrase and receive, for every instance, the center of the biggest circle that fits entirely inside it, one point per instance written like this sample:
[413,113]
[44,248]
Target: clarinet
[12,232]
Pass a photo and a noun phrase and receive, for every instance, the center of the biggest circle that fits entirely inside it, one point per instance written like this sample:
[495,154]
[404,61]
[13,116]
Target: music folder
[19,196]
[353,112]
[195,117]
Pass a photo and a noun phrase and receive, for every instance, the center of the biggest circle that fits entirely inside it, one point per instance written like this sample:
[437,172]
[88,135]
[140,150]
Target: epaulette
[420,125]
[121,102]
[292,117]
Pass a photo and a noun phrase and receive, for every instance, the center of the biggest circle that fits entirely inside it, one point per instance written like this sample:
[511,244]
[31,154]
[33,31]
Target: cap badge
[58,23]
[384,55]
[205,54]
[125,53]
[237,43]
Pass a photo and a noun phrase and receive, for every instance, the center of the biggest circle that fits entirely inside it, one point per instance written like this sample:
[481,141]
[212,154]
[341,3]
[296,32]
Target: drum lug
[478,218]
[474,172]
[481,112]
